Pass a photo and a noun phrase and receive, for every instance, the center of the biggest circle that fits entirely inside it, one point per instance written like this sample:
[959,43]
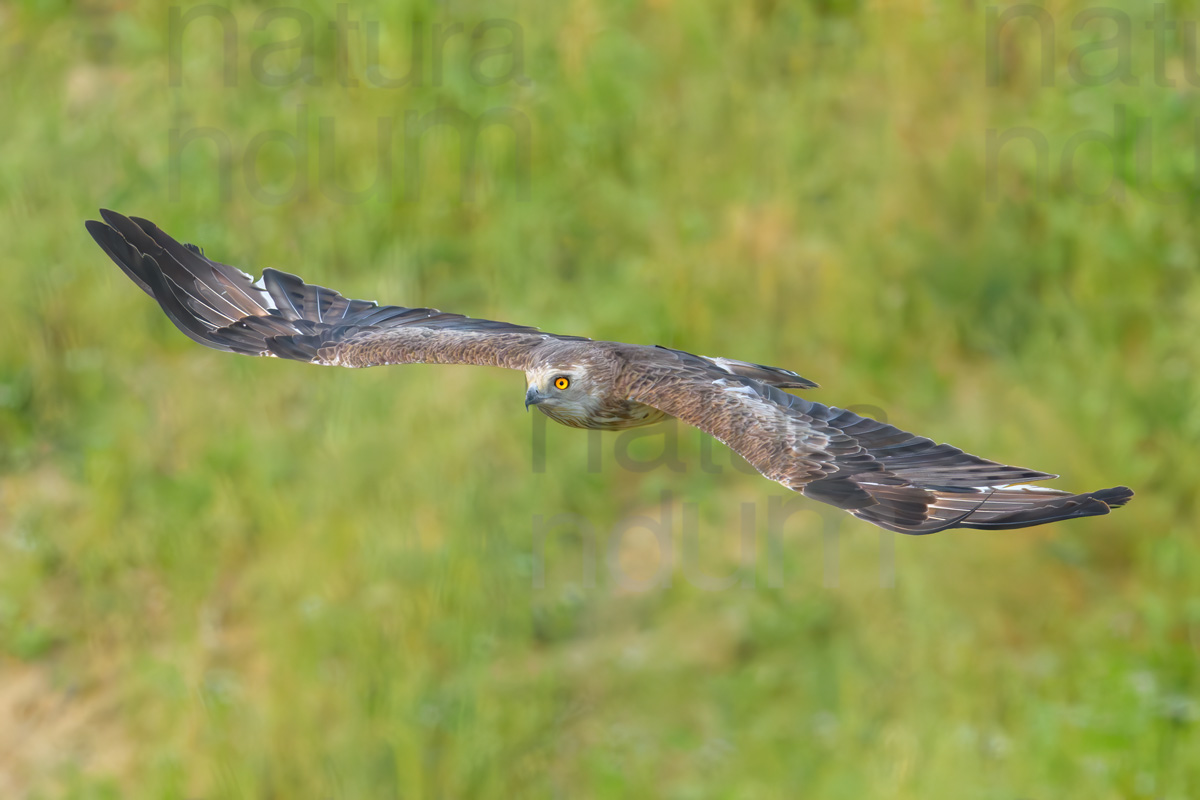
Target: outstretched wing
[279,315]
[877,472]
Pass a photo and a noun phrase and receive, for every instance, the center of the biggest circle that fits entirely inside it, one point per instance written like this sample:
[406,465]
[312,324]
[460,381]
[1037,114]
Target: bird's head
[565,393]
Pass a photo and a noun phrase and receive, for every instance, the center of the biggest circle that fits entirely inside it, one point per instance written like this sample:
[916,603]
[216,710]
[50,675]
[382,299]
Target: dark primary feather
[222,307]
[879,473]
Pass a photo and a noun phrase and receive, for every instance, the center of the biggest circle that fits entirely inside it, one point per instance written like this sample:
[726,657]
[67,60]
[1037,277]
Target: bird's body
[877,472]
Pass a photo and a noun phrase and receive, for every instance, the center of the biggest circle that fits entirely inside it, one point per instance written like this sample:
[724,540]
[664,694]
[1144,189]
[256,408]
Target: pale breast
[609,417]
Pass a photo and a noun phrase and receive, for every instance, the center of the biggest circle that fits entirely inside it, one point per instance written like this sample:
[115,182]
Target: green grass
[233,578]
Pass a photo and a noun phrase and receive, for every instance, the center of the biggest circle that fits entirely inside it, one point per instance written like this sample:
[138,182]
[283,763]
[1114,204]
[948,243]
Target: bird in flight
[878,473]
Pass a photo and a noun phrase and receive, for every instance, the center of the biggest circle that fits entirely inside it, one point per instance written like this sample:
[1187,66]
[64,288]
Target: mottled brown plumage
[877,472]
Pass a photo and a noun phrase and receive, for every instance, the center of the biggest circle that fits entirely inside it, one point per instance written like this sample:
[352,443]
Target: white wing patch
[266,300]
[1025,487]
[740,388]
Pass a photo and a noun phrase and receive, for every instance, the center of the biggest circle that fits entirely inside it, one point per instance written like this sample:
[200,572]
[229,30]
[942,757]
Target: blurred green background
[224,577]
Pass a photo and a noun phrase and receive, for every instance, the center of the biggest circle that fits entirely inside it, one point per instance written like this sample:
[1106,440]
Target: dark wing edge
[879,473]
[772,376]
[280,315]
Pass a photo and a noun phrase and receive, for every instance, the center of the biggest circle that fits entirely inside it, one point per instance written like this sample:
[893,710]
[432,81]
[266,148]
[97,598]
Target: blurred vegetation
[226,577]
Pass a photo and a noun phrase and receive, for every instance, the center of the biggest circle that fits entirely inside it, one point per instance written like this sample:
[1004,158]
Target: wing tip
[1088,504]
[1115,497]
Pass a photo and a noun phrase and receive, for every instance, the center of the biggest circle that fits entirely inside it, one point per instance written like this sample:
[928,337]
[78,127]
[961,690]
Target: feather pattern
[875,471]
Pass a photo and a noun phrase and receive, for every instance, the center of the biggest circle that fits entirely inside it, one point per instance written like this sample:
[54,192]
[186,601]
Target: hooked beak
[533,397]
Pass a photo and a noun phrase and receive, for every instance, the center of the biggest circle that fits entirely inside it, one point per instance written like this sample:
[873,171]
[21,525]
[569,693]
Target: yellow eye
[561,382]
